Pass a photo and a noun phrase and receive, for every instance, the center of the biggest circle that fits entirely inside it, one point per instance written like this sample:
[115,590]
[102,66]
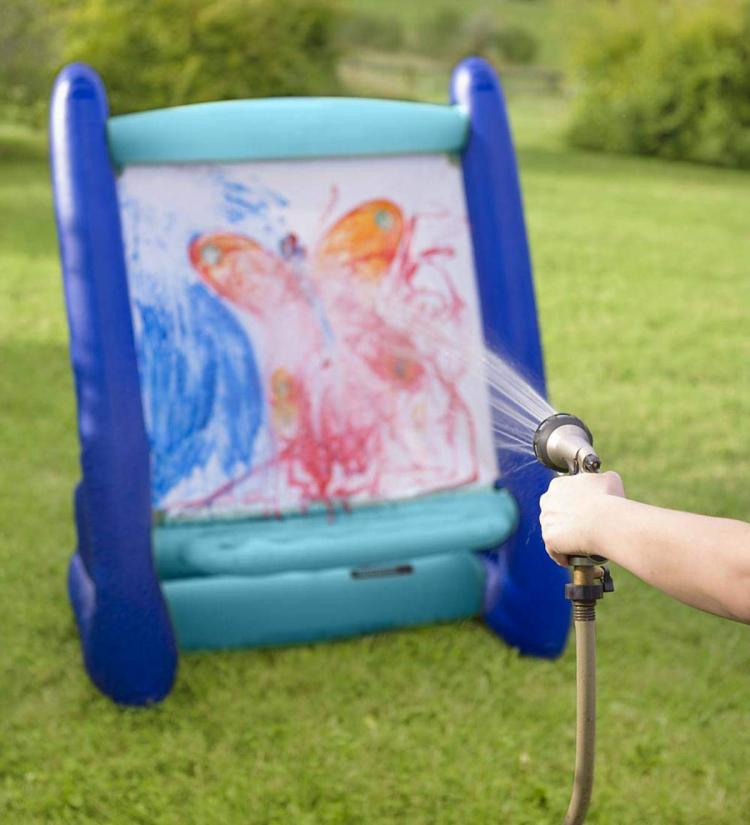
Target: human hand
[571,513]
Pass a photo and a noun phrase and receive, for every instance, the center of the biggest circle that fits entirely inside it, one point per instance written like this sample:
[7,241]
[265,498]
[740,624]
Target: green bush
[477,34]
[669,79]
[155,53]
[438,33]
[373,31]
[516,44]
[27,55]
[451,34]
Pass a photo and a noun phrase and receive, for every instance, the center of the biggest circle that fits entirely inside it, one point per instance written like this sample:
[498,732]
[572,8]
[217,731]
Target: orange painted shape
[240,269]
[363,242]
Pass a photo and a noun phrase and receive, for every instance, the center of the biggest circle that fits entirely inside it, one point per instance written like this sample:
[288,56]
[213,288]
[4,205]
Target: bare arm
[700,560]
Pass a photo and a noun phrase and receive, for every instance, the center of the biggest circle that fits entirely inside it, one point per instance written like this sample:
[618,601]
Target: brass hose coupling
[590,582]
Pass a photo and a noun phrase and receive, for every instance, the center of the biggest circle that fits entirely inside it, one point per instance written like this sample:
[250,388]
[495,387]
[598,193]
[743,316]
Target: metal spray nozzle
[564,443]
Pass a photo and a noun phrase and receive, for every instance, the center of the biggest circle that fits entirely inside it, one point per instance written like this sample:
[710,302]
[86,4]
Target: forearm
[702,561]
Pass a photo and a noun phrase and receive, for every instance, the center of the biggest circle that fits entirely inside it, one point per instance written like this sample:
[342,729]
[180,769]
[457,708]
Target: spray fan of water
[517,408]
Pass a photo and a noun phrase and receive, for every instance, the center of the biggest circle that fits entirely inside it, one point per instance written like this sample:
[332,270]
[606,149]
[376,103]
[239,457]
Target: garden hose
[564,443]
[590,582]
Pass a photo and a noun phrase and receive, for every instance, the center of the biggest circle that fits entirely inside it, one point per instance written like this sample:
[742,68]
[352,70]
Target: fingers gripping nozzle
[564,443]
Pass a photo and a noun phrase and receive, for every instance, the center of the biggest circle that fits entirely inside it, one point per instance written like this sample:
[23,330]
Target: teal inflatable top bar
[285,127]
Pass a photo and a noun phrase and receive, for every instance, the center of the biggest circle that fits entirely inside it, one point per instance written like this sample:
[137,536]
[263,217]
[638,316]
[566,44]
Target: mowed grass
[644,295]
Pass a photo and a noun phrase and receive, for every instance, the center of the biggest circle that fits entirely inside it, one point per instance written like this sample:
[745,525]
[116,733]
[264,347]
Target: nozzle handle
[586,560]
[593,466]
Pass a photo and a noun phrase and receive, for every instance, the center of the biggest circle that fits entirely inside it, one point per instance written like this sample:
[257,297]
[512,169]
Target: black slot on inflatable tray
[382,572]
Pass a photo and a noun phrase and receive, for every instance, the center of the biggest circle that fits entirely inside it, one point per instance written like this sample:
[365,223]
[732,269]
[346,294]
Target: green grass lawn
[644,298]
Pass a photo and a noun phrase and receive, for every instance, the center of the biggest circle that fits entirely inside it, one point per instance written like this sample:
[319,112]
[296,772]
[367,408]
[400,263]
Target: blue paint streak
[240,201]
[201,388]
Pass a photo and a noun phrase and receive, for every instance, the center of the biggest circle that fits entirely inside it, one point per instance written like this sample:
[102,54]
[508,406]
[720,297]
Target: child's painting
[307,333]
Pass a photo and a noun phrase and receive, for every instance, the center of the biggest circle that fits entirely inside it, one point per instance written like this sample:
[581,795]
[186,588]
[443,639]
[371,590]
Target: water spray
[564,443]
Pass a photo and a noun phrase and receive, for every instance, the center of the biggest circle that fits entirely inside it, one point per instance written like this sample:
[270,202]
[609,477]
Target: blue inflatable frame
[127,636]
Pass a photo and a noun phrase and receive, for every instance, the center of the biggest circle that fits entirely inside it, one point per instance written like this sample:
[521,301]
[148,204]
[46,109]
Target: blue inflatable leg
[527,605]
[128,643]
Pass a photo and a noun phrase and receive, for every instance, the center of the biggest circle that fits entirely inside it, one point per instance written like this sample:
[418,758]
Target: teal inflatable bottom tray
[311,577]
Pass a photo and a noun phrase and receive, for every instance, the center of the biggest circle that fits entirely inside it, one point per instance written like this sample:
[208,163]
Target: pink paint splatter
[349,337]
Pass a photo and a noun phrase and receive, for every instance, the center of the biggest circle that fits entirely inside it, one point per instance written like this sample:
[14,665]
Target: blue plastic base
[289,608]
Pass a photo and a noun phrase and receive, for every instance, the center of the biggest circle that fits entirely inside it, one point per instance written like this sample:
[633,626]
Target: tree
[28,50]
[155,53]
[666,78]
